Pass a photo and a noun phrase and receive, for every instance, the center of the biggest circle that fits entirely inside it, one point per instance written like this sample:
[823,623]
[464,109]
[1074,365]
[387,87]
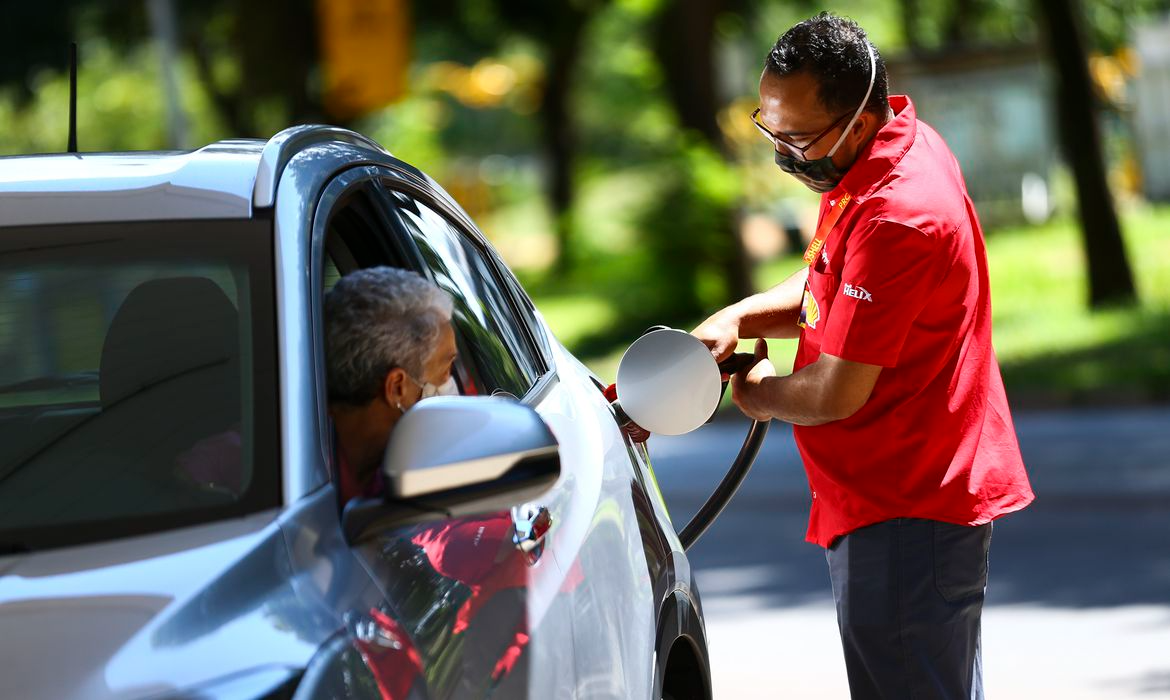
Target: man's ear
[394,387]
[862,126]
[865,127]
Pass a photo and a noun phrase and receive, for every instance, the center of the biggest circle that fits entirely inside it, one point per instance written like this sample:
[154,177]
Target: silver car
[170,524]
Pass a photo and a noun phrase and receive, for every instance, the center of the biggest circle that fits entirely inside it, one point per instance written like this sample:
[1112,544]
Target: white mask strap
[864,101]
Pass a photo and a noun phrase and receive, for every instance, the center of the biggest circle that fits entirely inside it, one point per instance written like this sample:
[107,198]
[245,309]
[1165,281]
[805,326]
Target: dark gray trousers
[909,598]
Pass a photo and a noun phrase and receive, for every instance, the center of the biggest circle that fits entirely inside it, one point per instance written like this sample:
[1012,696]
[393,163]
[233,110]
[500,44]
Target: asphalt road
[1078,602]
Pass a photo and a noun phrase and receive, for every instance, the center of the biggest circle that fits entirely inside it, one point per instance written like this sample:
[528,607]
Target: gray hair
[378,319]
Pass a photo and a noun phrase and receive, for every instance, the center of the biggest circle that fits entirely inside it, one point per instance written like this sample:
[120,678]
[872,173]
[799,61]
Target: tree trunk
[559,134]
[909,12]
[962,16]
[685,46]
[277,46]
[1110,279]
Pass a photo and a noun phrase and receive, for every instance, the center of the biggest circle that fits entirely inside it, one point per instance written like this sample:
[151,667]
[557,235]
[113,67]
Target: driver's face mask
[822,175]
[447,388]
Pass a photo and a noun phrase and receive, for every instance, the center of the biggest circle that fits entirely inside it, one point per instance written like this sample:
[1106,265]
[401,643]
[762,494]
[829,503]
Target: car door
[465,596]
[599,503]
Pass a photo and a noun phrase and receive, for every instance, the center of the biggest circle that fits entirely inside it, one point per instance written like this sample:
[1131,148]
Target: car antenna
[73,97]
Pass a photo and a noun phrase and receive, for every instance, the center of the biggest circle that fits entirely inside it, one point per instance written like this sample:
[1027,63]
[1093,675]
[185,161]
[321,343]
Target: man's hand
[747,390]
[720,333]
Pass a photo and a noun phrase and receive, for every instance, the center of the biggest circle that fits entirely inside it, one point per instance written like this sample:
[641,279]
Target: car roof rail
[281,148]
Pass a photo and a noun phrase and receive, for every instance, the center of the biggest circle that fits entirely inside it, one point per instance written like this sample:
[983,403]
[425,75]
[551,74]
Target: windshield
[137,378]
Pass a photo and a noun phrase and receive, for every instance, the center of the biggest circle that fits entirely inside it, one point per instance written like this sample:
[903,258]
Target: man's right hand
[720,333]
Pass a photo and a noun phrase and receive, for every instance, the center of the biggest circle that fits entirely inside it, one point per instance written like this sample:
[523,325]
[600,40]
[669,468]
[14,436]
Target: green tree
[254,58]
[684,42]
[1110,278]
[558,29]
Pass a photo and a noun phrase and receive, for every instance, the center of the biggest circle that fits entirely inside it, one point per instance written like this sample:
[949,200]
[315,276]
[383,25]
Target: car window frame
[400,250]
[334,194]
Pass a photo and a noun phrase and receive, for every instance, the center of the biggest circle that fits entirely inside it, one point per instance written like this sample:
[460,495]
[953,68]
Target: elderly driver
[388,345]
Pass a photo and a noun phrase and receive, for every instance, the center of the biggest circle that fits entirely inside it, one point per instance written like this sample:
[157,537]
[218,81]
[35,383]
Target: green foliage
[656,241]
[672,268]
[120,106]
[620,83]
[412,130]
[655,206]
[767,21]
[1048,340]
[686,235]
[1052,349]
[1110,22]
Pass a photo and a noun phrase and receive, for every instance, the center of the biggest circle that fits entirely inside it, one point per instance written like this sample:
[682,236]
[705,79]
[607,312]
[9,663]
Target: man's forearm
[773,313]
[827,390]
[796,398]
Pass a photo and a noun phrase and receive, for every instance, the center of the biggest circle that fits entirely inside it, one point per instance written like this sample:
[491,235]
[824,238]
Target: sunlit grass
[1047,338]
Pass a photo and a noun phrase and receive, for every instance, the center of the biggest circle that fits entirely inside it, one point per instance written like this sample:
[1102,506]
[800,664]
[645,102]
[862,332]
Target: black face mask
[819,175]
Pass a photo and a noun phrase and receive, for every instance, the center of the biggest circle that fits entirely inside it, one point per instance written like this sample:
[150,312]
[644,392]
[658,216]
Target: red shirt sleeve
[889,274]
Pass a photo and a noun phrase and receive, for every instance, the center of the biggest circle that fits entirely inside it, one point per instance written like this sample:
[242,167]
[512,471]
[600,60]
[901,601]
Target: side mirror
[459,455]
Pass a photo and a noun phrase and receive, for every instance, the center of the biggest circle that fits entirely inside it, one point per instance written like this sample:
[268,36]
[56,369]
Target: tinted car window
[486,322]
[137,386]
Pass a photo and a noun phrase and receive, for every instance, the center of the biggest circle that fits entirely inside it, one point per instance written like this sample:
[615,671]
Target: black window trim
[335,191]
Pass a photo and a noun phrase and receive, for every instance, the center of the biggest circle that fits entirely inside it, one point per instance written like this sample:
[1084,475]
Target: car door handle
[531,524]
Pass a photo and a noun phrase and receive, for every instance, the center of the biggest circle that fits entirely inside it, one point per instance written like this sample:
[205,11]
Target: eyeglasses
[791,147]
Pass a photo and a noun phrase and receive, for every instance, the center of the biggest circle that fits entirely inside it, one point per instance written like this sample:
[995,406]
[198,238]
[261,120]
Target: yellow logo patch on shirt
[810,312]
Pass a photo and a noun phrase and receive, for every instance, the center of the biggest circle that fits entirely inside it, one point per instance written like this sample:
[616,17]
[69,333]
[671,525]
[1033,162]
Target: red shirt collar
[882,153]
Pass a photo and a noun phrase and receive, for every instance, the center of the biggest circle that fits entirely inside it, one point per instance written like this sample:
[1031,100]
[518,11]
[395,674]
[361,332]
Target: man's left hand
[747,389]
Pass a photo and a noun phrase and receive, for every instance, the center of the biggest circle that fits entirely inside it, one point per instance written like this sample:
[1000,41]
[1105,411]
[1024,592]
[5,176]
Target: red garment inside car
[477,552]
[902,282]
[349,485]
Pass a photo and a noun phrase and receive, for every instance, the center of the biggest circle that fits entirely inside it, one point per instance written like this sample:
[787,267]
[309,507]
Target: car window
[486,321]
[137,378]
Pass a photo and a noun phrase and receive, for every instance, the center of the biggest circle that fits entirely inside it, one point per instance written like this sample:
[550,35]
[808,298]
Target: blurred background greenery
[604,145]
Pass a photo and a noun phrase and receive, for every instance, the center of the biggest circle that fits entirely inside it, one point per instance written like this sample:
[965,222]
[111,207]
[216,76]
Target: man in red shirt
[896,396]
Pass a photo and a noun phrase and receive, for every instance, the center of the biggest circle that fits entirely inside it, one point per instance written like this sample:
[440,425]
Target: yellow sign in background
[365,53]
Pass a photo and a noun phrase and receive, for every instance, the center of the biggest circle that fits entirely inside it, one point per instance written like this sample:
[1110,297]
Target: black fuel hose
[739,469]
[726,489]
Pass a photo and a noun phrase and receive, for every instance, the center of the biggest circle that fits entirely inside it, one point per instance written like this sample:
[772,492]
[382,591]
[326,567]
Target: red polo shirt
[902,283]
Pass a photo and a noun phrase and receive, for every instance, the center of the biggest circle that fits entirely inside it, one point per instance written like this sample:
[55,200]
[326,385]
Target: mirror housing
[451,456]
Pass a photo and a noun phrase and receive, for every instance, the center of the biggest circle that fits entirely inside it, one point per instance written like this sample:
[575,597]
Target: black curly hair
[832,50]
